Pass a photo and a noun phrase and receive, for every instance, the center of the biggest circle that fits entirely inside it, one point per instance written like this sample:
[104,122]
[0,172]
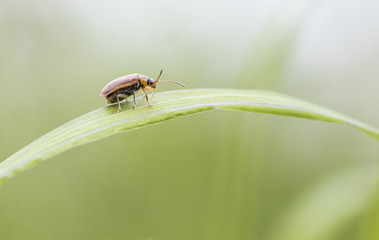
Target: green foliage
[101,123]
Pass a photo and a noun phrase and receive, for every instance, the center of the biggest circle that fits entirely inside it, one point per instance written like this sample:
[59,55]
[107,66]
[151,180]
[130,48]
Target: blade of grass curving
[101,123]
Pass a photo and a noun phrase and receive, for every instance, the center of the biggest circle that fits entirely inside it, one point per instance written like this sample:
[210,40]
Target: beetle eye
[149,82]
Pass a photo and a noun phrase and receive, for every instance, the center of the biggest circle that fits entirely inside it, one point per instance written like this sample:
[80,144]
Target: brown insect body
[123,87]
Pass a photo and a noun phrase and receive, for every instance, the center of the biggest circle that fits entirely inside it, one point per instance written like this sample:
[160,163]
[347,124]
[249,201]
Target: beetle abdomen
[112,98]
[131,89]
[128,91]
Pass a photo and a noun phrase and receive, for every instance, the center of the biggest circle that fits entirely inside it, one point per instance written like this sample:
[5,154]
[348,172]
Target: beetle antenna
[159,75]
[181,84]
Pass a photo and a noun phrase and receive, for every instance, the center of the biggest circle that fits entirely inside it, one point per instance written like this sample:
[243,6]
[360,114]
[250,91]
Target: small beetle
[123,87]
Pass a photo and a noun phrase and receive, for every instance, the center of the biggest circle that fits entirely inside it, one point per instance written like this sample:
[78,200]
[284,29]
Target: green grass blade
[101,123]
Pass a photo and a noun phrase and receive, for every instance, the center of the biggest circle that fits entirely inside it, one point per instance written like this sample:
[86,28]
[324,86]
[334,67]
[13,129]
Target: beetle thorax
[143,79]
[147,82]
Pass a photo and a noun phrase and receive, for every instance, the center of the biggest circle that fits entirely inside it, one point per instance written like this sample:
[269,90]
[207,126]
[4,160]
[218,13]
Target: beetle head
[151,83]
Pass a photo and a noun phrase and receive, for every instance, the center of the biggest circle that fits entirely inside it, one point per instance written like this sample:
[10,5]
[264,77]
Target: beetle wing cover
[118,83]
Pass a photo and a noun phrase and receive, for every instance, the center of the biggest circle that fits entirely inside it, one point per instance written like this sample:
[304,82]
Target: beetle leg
[151,98]
[118,102]
[147,98]
[119,106]
[134,98]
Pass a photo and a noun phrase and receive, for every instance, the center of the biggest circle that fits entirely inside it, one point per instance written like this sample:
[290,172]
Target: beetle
[123,87]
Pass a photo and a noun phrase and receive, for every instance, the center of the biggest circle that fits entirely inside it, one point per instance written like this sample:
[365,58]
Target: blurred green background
[215,175]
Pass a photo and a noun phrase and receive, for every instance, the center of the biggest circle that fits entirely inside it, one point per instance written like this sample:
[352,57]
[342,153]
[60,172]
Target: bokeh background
[215,175]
